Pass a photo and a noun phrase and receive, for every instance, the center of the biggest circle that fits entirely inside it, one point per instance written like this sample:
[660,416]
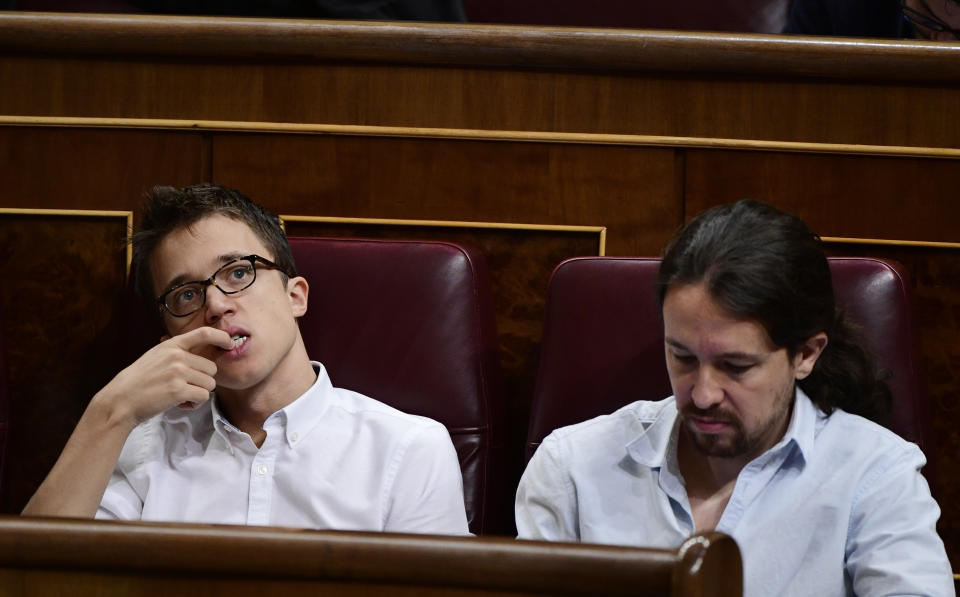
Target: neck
[706,474]
[248,408]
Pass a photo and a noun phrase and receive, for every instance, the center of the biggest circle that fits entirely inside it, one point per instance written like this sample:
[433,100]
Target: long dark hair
[763,264]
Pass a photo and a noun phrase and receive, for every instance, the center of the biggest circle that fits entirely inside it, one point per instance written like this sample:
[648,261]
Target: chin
[719,447]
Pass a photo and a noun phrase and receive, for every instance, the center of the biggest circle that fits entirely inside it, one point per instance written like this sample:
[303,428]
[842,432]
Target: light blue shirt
[837,507]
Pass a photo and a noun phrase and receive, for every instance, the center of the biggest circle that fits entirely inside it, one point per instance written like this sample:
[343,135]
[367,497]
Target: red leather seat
[603,340]
[411,324]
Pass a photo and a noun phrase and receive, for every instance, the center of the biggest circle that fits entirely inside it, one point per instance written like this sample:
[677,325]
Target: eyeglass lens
[233,277]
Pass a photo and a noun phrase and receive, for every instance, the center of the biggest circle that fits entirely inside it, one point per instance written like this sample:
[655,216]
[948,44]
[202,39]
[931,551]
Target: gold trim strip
[96,213]
[890,243]
[483,135]
[600,230]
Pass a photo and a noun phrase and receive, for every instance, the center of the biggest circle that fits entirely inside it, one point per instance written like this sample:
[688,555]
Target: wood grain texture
[775,107]
[837,195]
[291,40]
[587,185]
[94,169]
[706,564]
[63,275]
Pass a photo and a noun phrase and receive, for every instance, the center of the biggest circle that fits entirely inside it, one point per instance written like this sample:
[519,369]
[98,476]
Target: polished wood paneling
[677,104]
[56,168]
[64,276]
[633,191]
[291,40]
[837,195]
[472,76]
[196,558]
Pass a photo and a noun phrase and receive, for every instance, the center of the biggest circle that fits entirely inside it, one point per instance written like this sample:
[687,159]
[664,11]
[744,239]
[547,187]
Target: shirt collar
[304,413]
[658,437]
[297,419]
[802,427]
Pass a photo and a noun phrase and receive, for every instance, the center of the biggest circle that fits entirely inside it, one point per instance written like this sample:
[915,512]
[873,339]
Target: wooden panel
[634,191]
[773,108]
[77,168]
[64,276]
[837,195]
[471,76]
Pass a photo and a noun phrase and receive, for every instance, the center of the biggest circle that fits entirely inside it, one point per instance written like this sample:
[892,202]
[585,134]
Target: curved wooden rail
[478,45]
[51,551]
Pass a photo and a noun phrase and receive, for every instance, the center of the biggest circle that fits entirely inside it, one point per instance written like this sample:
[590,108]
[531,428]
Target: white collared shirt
[332,459]
[837,507]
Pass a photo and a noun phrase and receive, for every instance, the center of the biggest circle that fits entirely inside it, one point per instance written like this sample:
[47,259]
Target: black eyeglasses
[187,298]
[927,21]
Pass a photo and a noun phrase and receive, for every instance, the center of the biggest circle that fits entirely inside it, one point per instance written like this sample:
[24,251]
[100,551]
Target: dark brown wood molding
[185,549]
[477,45]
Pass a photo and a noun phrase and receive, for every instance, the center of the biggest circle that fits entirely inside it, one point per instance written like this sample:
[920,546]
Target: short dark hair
[762,264]
[169,208]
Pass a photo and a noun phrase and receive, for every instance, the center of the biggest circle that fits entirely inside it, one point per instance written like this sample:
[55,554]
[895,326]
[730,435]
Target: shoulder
[164,434]
[359,412]
[853,442]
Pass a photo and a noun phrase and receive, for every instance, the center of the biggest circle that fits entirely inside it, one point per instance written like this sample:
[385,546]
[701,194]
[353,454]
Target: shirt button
[294,436]
[262,469]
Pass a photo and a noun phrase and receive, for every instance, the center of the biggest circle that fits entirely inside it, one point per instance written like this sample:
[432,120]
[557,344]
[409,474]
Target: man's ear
[808,354]
[297,291]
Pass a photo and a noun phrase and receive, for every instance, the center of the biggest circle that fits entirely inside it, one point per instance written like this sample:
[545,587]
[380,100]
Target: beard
[731,443]
[734,441]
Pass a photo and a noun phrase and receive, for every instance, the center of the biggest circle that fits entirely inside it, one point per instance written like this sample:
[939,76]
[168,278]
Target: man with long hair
[770,436]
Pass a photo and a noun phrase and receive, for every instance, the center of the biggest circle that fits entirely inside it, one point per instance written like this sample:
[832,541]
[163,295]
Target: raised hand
[179,370]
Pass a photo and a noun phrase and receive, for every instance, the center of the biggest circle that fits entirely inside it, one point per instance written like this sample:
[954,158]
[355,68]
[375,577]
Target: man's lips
[708,425]
[240,339]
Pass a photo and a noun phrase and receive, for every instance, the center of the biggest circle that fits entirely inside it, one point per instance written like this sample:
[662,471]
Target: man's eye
[686,359]
[240,273]
[737,369]
[185,296]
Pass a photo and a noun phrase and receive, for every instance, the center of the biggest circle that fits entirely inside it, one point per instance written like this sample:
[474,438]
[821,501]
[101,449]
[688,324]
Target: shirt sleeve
[892,545]
[546,506]
[120,501]
[426,495]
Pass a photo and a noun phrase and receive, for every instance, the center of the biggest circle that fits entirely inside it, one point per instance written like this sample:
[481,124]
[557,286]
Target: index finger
[202,337]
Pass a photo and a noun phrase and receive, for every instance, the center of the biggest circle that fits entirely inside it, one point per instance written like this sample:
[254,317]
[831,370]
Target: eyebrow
[185,278]
[742,356]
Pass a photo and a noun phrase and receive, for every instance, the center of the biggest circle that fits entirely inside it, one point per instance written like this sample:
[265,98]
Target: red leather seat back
[411,324]
[878,295]
[603,340]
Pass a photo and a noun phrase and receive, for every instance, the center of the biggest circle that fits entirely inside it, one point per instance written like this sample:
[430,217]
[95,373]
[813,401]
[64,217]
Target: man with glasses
[227,420]
[935,20]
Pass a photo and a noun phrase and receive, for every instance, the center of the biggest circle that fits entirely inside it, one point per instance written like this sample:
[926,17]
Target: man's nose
[217,304]
[706,390]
